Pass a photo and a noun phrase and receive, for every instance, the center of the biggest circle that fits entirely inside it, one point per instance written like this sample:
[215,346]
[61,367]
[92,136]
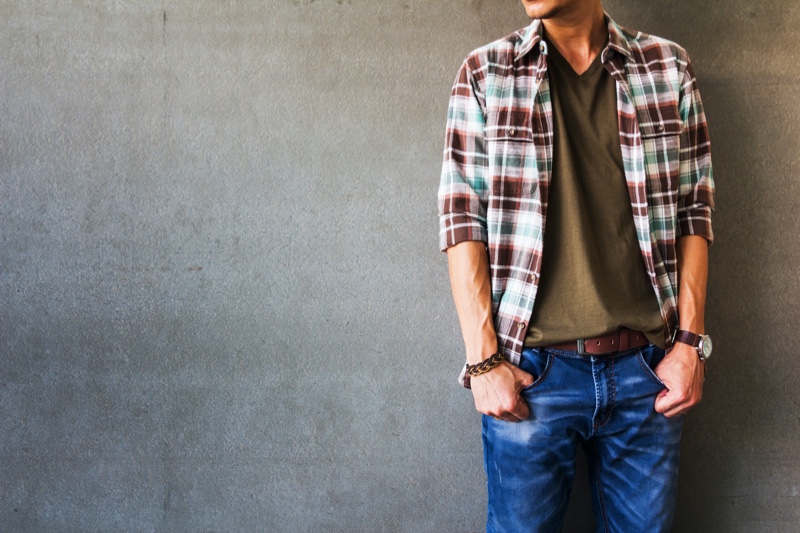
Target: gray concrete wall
[222,305]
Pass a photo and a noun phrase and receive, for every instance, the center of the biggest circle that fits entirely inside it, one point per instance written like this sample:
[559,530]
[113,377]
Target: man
[575,208]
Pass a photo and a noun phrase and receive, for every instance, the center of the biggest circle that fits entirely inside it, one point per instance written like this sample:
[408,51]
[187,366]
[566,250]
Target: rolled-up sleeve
[696,192]
[463,186]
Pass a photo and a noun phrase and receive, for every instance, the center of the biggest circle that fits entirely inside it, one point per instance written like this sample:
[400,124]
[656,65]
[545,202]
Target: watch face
[706,346]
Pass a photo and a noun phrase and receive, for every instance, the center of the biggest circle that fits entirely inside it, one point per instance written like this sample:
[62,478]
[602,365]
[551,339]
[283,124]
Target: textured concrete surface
[222,307]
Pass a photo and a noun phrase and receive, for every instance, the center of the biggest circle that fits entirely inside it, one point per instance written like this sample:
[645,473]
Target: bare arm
[496,393]
[681,369]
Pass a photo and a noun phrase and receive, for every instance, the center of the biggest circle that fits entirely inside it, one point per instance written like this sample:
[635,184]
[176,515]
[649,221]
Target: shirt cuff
[696,221]
[459,227]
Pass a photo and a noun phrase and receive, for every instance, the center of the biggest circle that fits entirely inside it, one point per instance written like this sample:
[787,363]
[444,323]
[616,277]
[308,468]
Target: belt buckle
[582,347]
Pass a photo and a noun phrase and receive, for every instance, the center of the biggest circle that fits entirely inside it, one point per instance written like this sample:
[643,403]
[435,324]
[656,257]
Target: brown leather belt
[617,341]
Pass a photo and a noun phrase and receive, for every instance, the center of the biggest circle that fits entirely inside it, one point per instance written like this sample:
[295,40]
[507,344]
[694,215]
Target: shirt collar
[617,40]
[532,36]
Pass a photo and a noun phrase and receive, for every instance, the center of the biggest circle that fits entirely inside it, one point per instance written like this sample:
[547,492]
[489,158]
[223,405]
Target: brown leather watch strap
[687,337]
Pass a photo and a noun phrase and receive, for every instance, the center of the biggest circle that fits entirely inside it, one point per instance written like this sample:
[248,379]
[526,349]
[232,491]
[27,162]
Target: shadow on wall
[723,447]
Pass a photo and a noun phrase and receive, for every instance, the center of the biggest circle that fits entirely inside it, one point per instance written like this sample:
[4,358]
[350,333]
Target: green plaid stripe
[498,162]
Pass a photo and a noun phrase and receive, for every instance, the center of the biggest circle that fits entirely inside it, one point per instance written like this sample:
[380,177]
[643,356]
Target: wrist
[696,340]
[486,365]
[482,351]
[483,367]
[693,327]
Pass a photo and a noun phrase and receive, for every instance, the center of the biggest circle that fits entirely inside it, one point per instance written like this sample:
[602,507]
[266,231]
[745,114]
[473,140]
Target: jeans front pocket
[649,358]
[536,362]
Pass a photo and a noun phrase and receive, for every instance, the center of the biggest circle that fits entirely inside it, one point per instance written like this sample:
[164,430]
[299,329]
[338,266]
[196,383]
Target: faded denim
[606,405]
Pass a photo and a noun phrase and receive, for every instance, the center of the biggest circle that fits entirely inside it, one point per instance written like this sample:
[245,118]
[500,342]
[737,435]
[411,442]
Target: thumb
[661,401]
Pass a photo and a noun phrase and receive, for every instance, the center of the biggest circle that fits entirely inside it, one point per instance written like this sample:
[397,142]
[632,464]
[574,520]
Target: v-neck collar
[565,67]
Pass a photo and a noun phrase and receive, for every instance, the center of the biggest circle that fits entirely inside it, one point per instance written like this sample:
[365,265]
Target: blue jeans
[605,404]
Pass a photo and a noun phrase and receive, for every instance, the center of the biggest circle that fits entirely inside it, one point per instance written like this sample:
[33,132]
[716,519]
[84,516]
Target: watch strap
[687,337]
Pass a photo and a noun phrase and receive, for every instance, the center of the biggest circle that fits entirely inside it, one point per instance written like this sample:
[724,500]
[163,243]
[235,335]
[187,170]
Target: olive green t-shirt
[593,278]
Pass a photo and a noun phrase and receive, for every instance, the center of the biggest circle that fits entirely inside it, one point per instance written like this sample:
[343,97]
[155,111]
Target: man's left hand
[683,373]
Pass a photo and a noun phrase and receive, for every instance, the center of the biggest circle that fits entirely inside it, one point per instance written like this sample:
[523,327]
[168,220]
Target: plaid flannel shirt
[498,160]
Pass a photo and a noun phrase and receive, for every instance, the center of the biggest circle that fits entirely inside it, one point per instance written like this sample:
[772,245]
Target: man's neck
[578,36]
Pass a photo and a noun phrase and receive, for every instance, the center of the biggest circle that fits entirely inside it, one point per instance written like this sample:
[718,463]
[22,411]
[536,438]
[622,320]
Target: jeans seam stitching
[613,402]
[596,400]
[603,512]
[613,399]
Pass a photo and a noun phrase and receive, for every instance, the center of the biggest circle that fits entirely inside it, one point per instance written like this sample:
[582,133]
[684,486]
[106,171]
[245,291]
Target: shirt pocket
[511,152]
[661,142]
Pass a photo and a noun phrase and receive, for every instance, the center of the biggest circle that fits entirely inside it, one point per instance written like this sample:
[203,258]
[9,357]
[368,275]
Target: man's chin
[542,14]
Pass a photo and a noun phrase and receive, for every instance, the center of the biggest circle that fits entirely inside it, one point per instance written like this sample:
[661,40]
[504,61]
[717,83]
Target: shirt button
[520,325]
[511,132]
[660,128]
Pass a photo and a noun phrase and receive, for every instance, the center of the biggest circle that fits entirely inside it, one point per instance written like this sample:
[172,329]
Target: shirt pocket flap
[661,122]
[508,125]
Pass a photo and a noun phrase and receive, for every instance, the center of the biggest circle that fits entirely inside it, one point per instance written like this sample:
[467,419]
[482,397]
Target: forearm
[472,292]
[682,371]
[692,281]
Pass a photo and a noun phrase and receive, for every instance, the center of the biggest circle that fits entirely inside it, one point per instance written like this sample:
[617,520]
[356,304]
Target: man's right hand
[496,393]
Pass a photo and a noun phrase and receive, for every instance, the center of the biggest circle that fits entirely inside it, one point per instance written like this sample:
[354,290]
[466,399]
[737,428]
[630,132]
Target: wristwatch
[701,343]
